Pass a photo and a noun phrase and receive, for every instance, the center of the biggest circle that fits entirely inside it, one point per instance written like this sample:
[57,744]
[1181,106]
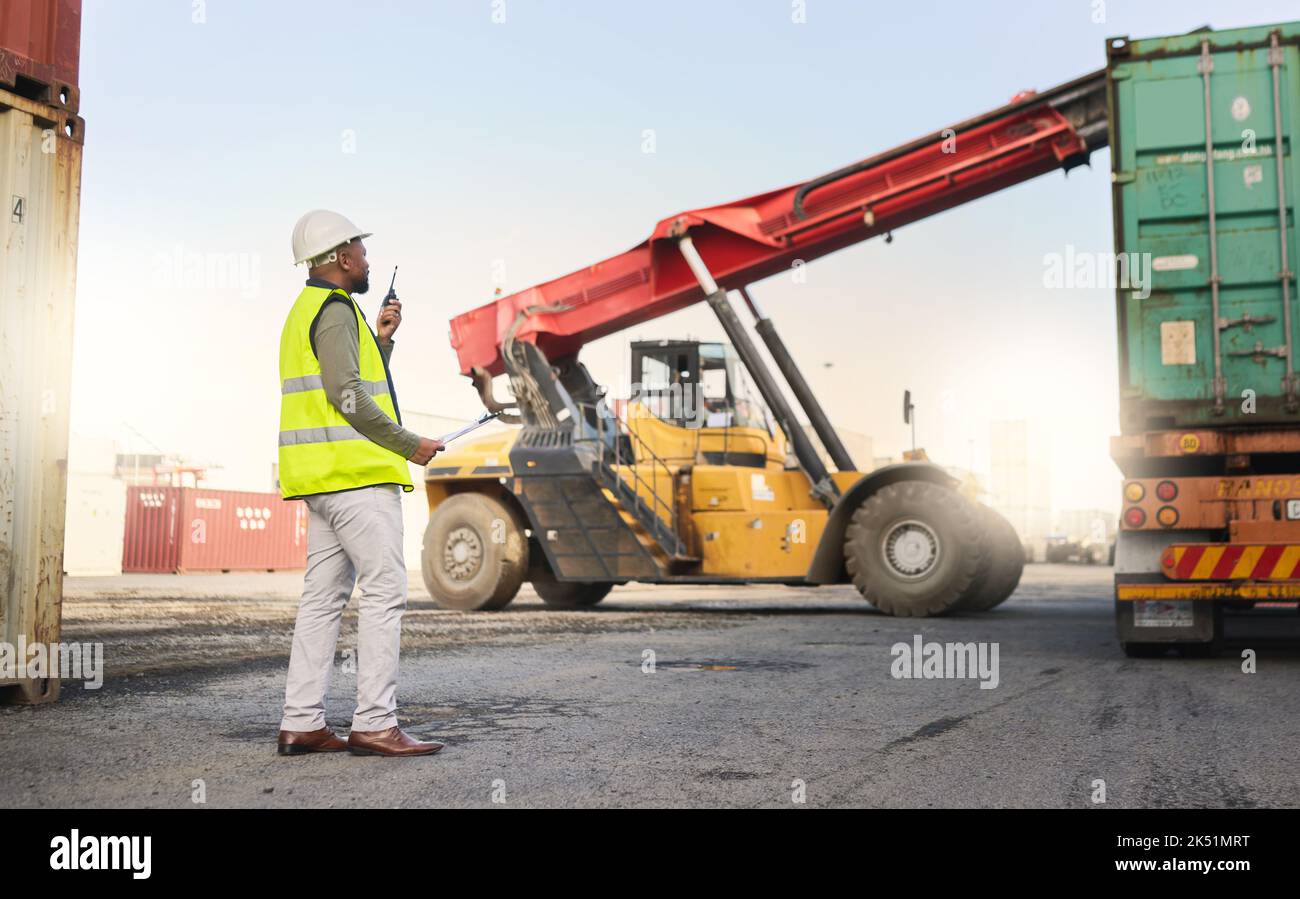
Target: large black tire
[913,548]
[566,594]
[475,553]
[1006,565]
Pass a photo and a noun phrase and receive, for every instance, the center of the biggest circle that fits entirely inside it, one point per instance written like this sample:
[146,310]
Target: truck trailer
[1204,175]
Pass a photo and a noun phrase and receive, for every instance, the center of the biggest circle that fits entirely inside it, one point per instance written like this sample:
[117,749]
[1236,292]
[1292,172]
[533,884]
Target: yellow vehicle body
[692,482]
[757,521]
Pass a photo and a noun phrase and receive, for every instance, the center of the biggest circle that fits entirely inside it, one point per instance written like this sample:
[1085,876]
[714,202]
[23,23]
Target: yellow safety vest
[319,451]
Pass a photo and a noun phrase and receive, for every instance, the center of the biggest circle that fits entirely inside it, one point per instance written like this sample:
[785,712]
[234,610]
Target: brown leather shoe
[296,742]
[389,742]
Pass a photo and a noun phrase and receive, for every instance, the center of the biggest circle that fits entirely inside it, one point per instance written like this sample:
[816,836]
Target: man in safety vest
[344,452]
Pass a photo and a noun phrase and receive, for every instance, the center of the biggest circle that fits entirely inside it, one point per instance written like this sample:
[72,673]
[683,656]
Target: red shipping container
[180,529]
[40,50]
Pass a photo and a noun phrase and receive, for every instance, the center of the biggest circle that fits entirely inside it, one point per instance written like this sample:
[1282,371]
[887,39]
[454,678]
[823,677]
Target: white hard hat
[320,231]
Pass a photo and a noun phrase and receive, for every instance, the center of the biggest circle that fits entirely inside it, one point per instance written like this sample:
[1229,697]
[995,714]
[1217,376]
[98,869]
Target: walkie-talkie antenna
[392,294]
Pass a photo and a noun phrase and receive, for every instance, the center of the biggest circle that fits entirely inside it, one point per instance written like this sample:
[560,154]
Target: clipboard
[472,426]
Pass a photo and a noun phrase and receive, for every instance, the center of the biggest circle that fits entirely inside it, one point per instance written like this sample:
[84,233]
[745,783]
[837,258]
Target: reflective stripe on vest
[319,451]
[314,382]
[320,435]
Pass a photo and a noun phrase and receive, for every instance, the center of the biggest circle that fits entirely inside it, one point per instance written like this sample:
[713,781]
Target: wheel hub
[462,555]
[910,549]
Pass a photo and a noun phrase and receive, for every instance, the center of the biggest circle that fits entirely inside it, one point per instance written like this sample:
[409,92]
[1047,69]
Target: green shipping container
[1191,240]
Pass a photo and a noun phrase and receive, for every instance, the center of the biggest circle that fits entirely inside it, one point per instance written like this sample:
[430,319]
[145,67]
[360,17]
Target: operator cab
[700,397]
[692,384]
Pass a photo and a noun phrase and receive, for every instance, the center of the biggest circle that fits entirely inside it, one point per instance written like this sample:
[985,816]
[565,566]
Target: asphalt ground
[701,696]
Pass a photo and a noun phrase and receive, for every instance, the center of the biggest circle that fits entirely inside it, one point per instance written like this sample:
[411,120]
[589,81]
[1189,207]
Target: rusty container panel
[40,184]
[183,529]
[40,49]
[227,530]
[151,541]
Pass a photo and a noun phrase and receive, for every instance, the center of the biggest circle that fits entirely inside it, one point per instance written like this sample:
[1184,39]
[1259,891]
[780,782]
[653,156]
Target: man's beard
[363,285]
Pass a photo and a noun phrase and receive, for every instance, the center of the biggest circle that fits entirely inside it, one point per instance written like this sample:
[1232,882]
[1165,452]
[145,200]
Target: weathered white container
[95,525]
[40,184]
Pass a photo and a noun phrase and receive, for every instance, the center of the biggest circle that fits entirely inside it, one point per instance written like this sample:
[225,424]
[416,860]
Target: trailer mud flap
[1166,621]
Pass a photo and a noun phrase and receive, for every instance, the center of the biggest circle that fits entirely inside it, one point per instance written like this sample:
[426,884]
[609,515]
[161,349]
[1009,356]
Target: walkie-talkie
[392,294]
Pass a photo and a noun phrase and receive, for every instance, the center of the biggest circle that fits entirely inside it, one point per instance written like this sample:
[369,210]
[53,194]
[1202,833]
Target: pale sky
[470,146]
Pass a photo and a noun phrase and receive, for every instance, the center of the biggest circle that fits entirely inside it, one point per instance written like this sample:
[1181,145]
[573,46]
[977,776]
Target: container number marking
[1175,263]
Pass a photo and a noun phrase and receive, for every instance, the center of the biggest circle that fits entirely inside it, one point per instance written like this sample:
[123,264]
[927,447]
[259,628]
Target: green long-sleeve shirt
[337,337]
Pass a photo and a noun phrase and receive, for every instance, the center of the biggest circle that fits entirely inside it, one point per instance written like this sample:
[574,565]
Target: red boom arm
[759,236]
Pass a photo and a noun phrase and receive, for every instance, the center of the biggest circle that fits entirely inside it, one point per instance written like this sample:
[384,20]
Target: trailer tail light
[1166,492]
[1135,517]
[1167,516]
[1133,492]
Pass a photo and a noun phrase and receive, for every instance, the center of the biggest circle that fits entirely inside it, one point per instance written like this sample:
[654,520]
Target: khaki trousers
[354,538]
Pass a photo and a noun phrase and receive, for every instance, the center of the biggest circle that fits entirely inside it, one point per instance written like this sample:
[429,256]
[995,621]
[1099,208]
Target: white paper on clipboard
[472,426]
